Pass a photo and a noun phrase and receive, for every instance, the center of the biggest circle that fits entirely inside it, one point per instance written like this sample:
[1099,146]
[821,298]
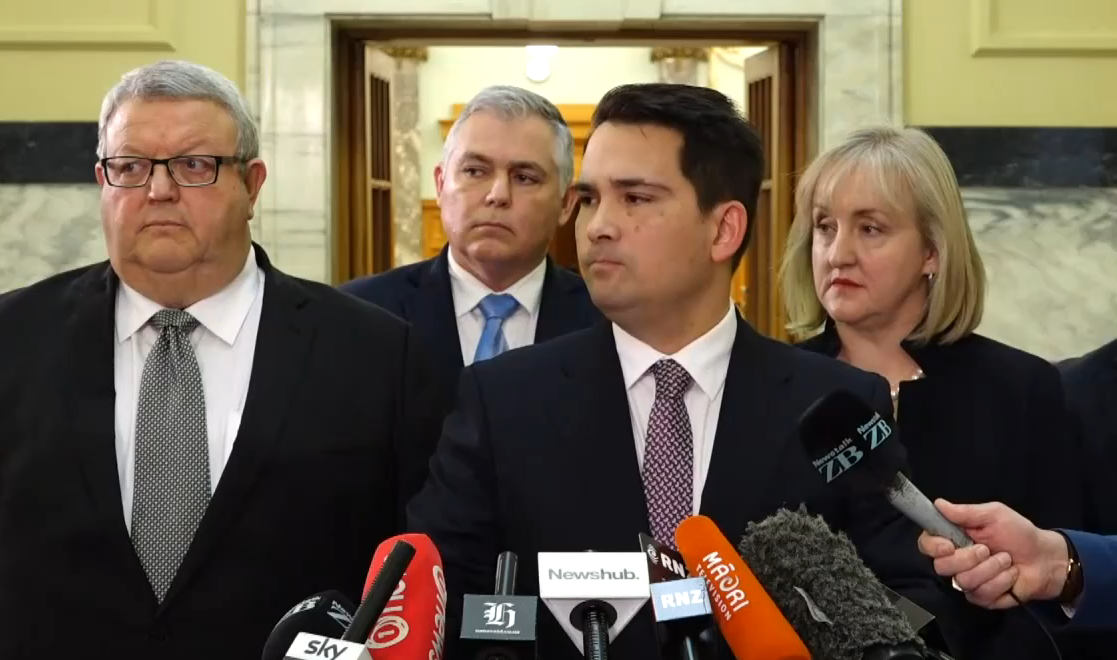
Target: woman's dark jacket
[989,422]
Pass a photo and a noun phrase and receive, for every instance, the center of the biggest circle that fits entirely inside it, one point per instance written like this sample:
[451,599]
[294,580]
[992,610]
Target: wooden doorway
[777,108]
[781,104]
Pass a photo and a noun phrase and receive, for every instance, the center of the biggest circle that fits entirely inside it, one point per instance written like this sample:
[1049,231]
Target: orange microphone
[750,622]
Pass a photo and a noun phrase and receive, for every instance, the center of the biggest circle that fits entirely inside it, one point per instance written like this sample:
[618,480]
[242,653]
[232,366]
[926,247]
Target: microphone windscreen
[413,625]
[752,625]
[847,440]
[821,584]
[327,614]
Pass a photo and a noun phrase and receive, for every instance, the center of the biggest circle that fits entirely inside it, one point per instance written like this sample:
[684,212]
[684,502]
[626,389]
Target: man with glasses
[191,441]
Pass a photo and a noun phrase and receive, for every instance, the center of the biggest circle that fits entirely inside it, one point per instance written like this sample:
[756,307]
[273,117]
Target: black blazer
[420,294]
[539,455]
[989,423]
[330,445]
[1091,386]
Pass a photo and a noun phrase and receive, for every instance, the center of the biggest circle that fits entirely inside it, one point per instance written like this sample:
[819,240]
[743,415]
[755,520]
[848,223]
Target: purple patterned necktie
[669,453]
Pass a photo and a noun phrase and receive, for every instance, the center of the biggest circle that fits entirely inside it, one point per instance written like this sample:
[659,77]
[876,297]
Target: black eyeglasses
[191,171]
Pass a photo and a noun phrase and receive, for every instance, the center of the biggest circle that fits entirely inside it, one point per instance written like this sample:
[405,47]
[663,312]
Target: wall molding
[156,35]
[987,40]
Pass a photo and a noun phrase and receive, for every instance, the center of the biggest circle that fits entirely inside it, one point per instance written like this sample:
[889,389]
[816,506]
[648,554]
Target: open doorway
[771,74]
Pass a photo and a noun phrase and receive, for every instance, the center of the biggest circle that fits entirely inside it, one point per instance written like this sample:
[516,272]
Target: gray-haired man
[191,442]
[504,187]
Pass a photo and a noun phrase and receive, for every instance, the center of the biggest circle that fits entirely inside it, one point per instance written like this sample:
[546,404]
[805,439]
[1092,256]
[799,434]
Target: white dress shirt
[224,344]
[467,290]
[706,359]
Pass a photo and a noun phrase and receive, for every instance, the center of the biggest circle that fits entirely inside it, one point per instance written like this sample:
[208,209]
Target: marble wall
[1051,258]
[46,229]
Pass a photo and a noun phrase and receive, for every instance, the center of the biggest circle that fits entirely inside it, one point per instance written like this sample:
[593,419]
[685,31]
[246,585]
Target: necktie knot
[174,318]
[671,379]
[498,306]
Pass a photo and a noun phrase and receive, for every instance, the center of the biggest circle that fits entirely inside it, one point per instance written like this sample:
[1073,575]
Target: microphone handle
[383,586]
[506,573]
[911,502]
[688,649]
[595,635]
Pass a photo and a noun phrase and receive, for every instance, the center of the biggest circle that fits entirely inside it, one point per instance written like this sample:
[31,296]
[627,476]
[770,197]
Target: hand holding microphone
[1011,556]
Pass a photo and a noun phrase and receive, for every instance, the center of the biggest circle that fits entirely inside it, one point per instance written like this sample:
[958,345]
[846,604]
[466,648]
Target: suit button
[159,633]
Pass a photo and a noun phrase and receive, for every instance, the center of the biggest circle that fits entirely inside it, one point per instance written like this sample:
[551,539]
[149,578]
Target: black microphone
[501,626]
[832,599]
[680,603]
[327,614]
[383,586]
[848,441]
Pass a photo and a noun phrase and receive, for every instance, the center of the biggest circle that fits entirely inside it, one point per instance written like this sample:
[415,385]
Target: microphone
[382,586]
[848,440]
[500,627]
[679,603]
[327,614]
[317,647]
[406,601]
[750,622]
[664,562]
[593,595]
[831,597]
[682,610]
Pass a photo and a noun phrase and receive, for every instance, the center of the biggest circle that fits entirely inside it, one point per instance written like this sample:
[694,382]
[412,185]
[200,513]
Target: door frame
[349,130]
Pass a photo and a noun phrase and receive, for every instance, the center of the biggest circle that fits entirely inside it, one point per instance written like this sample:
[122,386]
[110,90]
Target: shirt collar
[222,314]
[706,359]
[468,290]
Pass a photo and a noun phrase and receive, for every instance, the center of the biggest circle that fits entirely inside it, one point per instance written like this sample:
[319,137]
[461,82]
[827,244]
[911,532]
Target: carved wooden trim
[660,53]
[407,52]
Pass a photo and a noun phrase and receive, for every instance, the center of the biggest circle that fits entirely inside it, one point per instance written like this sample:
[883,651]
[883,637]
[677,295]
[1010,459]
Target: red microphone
[413,624]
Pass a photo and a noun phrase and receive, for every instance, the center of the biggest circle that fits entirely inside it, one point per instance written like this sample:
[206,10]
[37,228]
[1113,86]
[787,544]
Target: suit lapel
[91,400]
[430,310]
[749,440]
[283,343]
[592,414]
[560,310]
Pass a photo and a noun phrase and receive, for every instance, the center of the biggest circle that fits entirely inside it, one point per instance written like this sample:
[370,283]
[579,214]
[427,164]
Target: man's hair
[177,80]
[509,103]
[722,156]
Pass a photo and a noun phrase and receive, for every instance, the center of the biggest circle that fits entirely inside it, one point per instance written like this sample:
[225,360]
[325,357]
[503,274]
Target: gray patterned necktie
[172,482]
[669,453]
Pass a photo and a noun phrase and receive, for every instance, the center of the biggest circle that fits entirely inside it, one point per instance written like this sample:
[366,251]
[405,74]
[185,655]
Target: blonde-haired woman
[882,272]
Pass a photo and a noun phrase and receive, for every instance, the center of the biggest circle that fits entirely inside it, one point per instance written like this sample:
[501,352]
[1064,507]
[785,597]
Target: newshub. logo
[600,574]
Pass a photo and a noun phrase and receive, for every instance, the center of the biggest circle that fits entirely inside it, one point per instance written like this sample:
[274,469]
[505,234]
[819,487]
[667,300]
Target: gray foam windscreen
[820,583]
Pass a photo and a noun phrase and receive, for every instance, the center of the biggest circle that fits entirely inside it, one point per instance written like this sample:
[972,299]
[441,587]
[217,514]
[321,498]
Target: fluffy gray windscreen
[791,550]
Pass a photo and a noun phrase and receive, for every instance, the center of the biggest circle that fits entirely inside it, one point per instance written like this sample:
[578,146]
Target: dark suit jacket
[989,423]
[420,294]
[329,447]
[539,455]
[1091,387]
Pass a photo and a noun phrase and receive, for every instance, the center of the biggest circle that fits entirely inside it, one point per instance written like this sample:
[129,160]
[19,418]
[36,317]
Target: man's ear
[731,222]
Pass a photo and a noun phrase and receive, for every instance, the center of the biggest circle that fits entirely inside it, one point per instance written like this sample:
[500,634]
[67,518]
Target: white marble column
[679,64]
[407,198]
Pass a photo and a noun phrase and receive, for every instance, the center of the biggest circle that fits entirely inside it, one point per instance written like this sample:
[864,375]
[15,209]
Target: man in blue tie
[504,187]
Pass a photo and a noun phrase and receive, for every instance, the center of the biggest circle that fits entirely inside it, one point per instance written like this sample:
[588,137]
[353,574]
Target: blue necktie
[496,307]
